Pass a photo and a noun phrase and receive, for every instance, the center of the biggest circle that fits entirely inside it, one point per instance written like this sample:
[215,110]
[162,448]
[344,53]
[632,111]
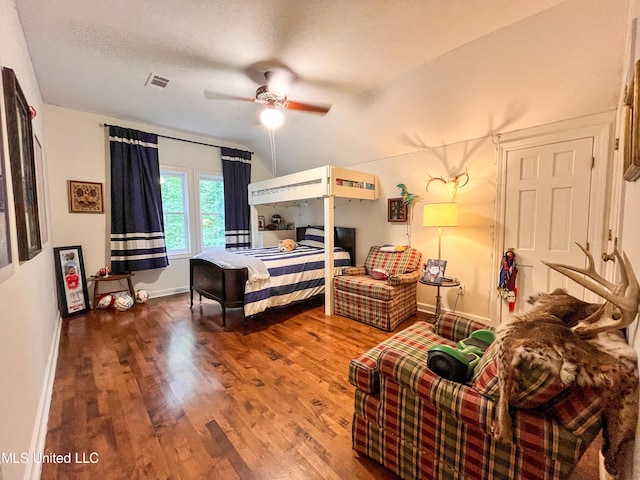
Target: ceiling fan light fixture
[271,117]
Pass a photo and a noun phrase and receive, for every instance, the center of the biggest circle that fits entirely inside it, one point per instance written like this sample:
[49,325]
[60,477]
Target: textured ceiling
[386,67]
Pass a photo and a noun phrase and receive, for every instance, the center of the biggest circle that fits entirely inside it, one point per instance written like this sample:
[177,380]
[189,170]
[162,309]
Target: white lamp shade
[272,118]
[440,215]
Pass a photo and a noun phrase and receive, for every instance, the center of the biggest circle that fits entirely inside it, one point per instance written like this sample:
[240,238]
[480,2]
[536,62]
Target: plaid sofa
[420,425]
[381,303]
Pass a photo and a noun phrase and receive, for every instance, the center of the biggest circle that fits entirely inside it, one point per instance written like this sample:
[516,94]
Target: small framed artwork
[396,210]
[23,171]
[85,197]
[73,296]
[261,222]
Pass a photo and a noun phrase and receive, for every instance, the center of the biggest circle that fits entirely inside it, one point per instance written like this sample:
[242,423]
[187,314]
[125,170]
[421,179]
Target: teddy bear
[286,245]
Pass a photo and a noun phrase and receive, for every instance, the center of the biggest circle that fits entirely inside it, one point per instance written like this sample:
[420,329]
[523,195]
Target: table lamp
[440,215]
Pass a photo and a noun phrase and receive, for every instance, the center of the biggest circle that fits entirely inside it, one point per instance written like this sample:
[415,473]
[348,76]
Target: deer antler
[431,179]
[622,299]
[456,179]
[452,184]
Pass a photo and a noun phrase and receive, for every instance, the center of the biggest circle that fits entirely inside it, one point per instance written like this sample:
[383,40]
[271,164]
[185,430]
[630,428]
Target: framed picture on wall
[23,171]
[631,169]
[5,236]
[396,210]
[73,296]
[40,176]
[85,197]
[261,222]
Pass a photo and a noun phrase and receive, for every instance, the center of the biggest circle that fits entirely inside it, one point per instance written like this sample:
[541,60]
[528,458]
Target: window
[175,210]
[203,194]
[211,196]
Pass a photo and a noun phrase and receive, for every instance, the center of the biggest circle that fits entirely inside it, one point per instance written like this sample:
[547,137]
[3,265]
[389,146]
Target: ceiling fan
[273,95]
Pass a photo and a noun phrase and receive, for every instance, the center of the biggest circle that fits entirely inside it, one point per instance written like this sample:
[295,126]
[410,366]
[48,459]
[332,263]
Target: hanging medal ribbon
[508,273]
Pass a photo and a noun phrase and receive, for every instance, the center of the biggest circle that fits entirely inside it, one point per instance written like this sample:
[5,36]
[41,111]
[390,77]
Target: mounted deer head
[452,184]
[622,299]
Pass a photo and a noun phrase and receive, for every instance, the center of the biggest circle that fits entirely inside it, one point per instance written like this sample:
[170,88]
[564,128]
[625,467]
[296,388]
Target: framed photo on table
[396,210]
[73,296]
[434,271]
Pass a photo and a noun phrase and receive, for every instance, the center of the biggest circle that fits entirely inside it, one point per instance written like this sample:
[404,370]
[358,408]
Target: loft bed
[318,182]
[325,182]
[228,283]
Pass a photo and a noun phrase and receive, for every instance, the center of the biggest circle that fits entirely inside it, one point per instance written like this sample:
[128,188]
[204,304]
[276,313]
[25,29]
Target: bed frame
[226,285]
[327,182]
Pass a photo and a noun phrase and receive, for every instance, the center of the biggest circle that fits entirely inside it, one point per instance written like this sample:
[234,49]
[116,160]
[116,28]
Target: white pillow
[313,237]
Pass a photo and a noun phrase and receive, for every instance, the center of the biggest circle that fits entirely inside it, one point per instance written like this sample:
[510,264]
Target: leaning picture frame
[396,210]
[85,197]
[23,171]
[73,295]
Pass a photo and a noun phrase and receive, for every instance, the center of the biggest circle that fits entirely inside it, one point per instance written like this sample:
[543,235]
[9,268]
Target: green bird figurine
[407,197]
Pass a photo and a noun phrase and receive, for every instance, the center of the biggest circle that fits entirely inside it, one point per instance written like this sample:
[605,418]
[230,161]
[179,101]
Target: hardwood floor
[161,391]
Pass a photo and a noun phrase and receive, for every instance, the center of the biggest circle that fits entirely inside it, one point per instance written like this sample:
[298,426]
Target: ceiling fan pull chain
[272,141]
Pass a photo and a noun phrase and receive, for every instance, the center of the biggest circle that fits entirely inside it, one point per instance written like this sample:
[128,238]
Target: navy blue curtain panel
[137,225]
[236,174]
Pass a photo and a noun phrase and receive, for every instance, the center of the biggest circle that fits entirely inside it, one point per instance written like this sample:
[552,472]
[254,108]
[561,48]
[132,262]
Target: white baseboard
[39,435]
[168,291]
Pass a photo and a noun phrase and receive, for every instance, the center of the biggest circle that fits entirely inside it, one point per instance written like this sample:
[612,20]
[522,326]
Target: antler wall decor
[453,183]
[622,299]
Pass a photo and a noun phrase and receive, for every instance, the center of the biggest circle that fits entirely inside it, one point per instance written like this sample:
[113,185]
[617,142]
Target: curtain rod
[181,139]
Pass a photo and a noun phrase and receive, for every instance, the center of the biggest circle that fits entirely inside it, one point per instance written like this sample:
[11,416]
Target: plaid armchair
[422,426]
[381,302]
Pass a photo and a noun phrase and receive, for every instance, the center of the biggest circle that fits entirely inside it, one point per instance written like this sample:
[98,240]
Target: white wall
[29,319]
[467,248]
[78,150]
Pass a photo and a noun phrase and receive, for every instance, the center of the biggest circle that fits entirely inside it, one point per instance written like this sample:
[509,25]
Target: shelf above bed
[315,183]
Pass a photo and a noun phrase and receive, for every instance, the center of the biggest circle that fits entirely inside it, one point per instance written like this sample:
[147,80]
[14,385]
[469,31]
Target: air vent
[156,81]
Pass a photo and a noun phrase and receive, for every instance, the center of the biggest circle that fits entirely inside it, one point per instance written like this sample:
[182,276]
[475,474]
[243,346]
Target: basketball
[105,300]
[142,296]
[123,302]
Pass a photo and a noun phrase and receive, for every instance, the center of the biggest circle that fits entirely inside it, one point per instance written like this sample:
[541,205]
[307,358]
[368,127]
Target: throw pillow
[313,237]
[393,248]
[379,274]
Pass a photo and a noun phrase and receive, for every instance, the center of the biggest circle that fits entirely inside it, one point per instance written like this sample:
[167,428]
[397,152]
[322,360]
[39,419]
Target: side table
[111,278]
[446,283]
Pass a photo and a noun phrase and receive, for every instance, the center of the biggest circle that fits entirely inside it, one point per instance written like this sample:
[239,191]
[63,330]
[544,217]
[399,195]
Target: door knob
[608,256]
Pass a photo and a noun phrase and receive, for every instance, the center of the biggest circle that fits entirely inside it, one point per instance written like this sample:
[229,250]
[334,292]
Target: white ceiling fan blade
[211,95]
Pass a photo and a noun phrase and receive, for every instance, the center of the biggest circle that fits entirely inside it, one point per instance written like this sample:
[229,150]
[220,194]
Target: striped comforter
[293,276]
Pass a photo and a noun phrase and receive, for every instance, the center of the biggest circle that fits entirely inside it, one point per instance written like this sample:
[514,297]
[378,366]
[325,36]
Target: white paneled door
[547,211]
